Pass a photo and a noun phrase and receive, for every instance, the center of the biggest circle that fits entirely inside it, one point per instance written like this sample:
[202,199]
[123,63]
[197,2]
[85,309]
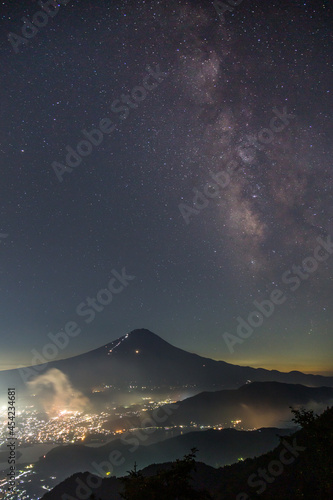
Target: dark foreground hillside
[300,467]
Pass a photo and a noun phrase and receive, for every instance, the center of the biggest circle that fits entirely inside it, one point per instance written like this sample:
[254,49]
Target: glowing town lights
[137,352]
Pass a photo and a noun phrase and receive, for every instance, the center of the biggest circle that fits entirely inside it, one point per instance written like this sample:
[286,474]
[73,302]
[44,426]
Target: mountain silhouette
[259,404]
[141,358]
[306,473]
[216,448]
[262,402]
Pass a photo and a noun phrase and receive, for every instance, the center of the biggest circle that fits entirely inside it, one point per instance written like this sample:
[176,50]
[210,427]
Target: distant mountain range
[259,400]
[259,404]
[141,358]
[299,467]
[216,448]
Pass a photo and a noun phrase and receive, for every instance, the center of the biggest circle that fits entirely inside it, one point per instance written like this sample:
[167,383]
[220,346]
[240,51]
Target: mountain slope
[144,359]
[305,471]
[257,404]
[216,448]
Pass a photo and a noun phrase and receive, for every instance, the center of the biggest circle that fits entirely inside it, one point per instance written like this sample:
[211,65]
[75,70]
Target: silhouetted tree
[303,417]
[168,484]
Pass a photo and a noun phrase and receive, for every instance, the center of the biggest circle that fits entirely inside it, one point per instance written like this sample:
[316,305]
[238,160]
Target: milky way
[252,91]
[279,200]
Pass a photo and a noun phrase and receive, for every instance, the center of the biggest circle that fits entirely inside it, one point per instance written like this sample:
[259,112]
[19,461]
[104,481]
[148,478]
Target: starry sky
[216,85]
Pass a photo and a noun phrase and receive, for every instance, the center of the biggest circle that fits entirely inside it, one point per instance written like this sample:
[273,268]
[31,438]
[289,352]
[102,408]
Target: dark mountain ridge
[306,471]
[144,359]
[216,448]
[261,401]
[257,404]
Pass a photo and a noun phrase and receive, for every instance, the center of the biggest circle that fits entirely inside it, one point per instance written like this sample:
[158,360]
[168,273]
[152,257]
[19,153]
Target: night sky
[215,86]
